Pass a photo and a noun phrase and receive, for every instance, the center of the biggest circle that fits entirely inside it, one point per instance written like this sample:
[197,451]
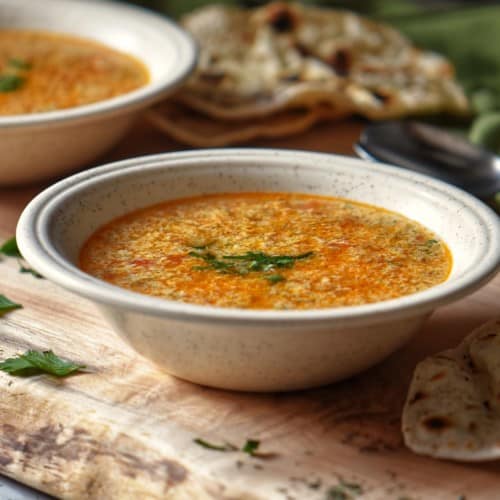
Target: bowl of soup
[73,78]
[260,269]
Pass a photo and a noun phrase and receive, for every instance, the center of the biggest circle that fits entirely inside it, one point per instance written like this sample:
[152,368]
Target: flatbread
[199,130]
[259,61]
[453,405]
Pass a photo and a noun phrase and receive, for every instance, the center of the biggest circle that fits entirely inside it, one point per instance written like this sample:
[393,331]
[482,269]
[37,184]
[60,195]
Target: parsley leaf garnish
[10,248]
[249,262]
[213,263]
[29,270]
[11,80]
[9,83]
[6,305]
[35,362]
[250,446]
[216,447]
[259,261]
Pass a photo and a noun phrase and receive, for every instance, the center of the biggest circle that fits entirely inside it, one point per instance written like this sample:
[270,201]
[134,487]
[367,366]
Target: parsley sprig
[251,446]
[35,362]
[6,305]
[248,262]
[10,248]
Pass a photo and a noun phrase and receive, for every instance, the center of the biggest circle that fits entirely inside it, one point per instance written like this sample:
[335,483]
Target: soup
[267,251]
[44,72]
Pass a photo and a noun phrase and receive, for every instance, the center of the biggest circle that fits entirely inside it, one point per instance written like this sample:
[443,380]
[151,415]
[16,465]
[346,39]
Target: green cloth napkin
[468,33]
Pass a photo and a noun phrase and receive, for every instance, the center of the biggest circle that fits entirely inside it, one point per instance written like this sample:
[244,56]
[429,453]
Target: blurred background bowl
[38,146]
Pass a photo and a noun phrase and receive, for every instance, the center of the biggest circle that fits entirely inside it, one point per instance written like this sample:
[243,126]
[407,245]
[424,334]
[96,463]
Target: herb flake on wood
[250,448]
[6,305]
[35,363]
[10,249]
[216,447]
[29,270]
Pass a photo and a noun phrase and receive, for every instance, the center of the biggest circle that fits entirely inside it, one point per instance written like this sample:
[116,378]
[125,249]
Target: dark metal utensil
[435,152]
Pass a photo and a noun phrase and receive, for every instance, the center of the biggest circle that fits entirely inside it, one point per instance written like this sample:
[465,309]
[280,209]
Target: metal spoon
[432,151]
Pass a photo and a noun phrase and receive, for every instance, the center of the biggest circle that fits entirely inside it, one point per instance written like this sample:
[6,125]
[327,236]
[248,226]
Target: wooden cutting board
[126,430]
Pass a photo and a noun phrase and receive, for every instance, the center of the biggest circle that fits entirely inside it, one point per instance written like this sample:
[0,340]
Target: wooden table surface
[127,430]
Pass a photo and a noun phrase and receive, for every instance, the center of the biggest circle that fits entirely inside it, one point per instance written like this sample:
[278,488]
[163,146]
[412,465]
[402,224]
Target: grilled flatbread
[453,405]
[199,130]
[259,61]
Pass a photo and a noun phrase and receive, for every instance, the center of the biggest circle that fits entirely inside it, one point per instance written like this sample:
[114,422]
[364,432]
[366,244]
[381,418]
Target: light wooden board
[126,429]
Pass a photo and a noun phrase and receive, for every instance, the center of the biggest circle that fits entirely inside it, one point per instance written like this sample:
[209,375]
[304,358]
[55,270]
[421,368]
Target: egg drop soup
[267,251]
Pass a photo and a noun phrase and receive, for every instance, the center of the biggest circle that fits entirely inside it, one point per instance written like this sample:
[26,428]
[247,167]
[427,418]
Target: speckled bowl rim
[178,38]
[34,240]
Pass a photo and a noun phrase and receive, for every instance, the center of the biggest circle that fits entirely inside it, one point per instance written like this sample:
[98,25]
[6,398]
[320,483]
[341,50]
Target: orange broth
[42,71]
[267,251]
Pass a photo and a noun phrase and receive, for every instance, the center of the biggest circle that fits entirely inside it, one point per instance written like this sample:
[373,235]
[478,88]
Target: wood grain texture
[125,429]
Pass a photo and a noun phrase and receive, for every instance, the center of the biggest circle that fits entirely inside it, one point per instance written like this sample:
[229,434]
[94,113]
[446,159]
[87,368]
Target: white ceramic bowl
[42,145]
[247,349]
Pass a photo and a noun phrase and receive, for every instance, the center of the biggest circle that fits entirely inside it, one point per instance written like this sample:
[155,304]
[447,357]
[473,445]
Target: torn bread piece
[256,62]
[453,406]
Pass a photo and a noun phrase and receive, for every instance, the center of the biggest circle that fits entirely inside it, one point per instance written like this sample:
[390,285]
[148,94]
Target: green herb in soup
[249,262]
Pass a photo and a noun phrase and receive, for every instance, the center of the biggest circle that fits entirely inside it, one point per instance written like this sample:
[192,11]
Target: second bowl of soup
[74,76]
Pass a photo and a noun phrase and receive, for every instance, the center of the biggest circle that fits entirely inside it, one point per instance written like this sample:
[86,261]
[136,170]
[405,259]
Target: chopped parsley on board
[10,249]
[6,305]
[250,447]
[35,363]
[216,447]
